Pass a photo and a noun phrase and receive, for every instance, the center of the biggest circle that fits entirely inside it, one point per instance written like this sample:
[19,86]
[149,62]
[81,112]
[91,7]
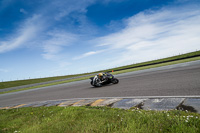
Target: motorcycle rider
[103,79]
[99,78]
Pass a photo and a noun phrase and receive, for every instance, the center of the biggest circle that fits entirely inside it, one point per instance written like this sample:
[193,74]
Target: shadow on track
[107,85]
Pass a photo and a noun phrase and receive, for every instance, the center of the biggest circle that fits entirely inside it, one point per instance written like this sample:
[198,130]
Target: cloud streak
[56,42]
[23,11]
[27,32]
[87,54]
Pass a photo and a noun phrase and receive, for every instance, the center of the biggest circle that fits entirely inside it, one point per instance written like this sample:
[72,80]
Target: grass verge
[117,72]
[96,119]
[45,85]
[158,65]
[160,61]
[9,84]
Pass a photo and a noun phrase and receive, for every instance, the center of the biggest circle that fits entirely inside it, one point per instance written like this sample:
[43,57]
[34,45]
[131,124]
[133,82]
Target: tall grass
[96,119]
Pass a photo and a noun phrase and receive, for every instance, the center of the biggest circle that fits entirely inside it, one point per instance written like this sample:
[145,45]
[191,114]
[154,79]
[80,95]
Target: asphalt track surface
[176,80]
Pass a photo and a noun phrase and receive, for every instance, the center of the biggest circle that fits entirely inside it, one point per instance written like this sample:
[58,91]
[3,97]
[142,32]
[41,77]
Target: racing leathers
[98,80]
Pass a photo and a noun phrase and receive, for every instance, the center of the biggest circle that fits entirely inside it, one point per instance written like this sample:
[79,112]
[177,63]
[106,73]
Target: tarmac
[158,102]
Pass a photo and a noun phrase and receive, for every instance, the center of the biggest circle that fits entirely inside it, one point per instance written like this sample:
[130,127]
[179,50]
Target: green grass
[45,85]
[9,84]
[96,119]
[169,59]
[127,69]
[157,65]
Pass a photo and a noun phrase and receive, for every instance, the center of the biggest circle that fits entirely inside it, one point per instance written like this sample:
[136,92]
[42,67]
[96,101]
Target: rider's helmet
[100,75]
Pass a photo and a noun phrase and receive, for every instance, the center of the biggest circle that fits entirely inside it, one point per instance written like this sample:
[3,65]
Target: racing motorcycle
[107,79]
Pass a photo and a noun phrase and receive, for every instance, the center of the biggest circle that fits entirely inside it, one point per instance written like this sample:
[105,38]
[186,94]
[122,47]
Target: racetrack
[175,80]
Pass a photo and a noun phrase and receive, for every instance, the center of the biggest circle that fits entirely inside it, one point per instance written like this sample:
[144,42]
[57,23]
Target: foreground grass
[96,119]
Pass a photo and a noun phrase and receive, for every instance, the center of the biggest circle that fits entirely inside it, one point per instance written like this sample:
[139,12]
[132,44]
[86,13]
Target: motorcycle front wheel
[115,81]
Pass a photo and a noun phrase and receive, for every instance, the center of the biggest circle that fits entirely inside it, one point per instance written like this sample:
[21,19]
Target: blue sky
[60,37]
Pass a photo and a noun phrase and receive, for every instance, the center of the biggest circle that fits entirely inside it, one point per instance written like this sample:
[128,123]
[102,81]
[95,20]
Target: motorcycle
[108,78]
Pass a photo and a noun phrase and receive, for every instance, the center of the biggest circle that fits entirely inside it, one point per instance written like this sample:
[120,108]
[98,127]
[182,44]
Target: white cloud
[155,34]
[55,42]
[107,1]
[32,29]
[23,11]
[27,31]
[65,7]
[16,42]
[88,54]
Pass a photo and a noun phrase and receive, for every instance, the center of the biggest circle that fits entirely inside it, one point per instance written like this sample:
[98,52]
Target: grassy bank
[160,61]
[133,67]
[157,65]
[45,85]
[96,119]
[32,81]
